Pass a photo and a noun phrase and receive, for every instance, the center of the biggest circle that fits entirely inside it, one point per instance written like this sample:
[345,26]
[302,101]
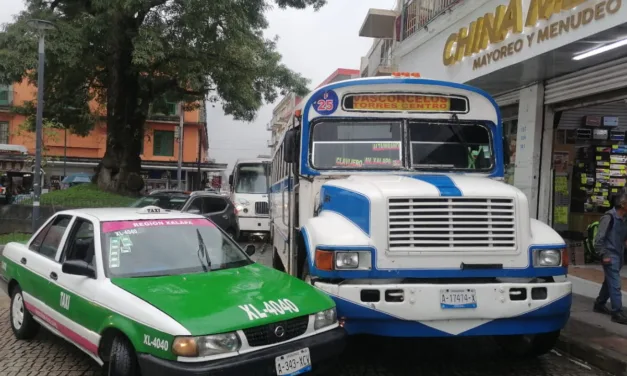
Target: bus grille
[261,207]
[267,334]
[451,224]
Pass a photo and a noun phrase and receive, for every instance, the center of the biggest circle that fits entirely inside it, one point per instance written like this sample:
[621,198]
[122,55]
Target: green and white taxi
[152,292]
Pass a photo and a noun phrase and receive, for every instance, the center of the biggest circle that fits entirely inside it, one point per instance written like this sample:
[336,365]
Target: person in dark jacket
[610,244]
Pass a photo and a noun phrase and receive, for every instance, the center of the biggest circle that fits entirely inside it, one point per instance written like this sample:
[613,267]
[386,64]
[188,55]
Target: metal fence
[418,13]
[17,219]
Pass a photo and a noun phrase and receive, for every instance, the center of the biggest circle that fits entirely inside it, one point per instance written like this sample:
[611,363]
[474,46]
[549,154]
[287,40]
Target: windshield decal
[114,253]
[126,225]
[271,307]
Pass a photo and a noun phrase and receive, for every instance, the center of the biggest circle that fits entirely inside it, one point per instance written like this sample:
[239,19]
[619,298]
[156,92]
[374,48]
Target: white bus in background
[249,184]
[387,194]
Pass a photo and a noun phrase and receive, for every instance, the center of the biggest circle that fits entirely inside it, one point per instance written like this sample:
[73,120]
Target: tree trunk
[119,170]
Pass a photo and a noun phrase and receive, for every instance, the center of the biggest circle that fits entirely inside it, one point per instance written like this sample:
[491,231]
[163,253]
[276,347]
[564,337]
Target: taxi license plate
[458,299]
[294,363]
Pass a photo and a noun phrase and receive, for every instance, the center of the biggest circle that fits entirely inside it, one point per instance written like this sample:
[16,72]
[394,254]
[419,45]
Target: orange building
[69,153]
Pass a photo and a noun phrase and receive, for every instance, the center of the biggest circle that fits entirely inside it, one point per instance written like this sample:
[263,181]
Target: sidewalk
[593,338]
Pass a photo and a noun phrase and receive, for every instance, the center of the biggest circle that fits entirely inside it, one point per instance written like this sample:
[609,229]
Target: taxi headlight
[206,345]
[346,260]
[548,257]
[325,318]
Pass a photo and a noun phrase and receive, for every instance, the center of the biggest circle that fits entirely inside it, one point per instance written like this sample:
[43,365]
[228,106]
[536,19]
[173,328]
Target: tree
[133,55]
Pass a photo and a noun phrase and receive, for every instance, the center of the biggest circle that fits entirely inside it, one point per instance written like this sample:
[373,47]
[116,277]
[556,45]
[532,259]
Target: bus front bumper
[254,224]
[442,310]
[323,349]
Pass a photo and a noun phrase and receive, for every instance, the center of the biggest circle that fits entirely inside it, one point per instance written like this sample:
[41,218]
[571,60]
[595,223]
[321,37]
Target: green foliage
[144,50]
[83,196]
[18,237]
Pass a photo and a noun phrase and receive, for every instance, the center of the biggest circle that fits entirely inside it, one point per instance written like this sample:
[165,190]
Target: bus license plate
[294,363]
[456,299]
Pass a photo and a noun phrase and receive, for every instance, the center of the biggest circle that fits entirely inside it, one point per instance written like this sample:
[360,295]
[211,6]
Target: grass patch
[14,237]
[83,196]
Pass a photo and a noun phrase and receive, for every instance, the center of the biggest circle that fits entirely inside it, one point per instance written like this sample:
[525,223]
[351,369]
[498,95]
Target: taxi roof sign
[152,209]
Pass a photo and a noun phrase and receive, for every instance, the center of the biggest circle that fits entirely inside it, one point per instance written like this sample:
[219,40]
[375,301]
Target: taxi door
[40,262]
[72,294]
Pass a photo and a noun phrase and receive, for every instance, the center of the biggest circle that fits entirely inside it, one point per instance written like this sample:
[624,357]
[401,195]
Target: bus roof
[252,160]
[483,106]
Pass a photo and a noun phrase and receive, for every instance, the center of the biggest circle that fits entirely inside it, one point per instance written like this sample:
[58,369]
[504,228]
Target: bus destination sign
[403,102]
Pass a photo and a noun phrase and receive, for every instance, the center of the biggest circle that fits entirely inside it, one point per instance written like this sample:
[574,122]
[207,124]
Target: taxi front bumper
[323,348]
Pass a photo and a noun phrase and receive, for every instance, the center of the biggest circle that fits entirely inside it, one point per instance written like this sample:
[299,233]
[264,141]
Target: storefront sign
[509,21]
[397,102]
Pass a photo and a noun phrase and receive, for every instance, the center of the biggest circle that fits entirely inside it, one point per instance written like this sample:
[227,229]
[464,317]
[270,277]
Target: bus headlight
[346,260]
[206,345]
[325,318]
[548,257]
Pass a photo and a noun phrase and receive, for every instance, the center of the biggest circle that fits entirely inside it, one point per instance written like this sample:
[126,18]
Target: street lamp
[40,26]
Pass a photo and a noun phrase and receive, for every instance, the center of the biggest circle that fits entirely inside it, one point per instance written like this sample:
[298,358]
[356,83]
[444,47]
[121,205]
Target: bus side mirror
[230,179]
[506,156]
[291,146]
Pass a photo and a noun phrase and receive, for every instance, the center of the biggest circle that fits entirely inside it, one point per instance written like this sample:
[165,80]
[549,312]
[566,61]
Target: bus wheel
[276,261]
[524,346]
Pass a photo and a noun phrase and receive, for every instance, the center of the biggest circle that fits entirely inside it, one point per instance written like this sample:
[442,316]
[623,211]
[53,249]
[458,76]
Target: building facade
[558,71]
[283,112]
[65,153]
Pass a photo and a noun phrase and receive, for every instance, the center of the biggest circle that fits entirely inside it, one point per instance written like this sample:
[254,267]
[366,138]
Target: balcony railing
[418,13]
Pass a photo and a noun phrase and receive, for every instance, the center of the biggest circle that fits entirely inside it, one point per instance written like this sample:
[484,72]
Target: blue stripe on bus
[496,128]
[529,271]
[352,205]
[443,183]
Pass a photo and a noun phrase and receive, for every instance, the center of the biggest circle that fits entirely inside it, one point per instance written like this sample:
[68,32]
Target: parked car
[214,206]
[155,292]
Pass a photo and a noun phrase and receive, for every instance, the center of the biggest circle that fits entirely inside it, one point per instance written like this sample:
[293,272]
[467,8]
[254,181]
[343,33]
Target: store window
[163,143]
[510,131]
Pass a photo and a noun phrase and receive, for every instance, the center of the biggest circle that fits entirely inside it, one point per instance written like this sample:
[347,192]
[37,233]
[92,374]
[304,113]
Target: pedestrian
[610,243]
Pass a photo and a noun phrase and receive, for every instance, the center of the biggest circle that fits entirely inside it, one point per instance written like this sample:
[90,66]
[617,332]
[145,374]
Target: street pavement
[366,356]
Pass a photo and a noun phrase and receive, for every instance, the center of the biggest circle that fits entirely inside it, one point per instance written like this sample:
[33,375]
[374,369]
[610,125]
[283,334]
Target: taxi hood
[228,300]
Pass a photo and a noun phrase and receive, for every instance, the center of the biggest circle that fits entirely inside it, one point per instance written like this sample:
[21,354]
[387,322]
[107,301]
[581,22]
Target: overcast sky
[312,43]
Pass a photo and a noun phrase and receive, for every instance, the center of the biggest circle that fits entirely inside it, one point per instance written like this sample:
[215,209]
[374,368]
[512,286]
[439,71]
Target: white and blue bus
[387,193]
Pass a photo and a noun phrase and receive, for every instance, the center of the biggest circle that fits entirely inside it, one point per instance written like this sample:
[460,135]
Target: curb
[583,347]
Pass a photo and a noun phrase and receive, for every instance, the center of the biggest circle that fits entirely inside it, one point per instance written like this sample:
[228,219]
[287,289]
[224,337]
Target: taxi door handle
[54,276]
[23,260]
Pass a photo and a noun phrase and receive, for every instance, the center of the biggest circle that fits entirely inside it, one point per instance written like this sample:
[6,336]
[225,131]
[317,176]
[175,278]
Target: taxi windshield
[148,248]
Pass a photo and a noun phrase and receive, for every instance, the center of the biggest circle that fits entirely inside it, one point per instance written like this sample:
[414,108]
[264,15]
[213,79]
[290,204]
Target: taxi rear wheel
[22,322]
[122,360]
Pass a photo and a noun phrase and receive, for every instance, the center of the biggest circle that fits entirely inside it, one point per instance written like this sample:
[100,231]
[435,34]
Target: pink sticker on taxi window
[125,225]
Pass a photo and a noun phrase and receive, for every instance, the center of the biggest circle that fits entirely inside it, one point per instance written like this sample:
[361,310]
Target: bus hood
[421,185]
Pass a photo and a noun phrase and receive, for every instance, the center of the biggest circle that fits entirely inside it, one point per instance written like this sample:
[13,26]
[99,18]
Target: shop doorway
[589,162]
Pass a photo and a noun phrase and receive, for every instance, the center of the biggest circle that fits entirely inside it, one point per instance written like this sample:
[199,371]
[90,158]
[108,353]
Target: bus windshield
[368,145]
[251,178]
[447,145]
[357,144]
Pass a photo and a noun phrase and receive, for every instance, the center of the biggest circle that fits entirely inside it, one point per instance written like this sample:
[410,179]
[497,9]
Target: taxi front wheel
[22,322]
[122,361]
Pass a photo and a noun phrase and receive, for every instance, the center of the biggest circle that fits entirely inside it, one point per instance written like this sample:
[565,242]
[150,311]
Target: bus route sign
[326,102]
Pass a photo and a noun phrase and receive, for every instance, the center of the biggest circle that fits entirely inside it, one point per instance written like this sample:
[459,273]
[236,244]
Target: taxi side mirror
[78,267]
[250,249]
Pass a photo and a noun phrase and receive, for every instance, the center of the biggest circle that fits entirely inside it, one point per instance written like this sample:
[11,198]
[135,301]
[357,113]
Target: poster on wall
[560,162]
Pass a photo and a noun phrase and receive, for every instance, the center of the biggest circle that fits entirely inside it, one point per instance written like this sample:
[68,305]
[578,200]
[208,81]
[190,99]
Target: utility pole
[179,179]
[40,26]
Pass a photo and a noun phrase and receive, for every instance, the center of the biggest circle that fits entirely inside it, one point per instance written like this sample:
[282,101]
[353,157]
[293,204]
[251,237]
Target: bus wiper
[461,139]
[202,252]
